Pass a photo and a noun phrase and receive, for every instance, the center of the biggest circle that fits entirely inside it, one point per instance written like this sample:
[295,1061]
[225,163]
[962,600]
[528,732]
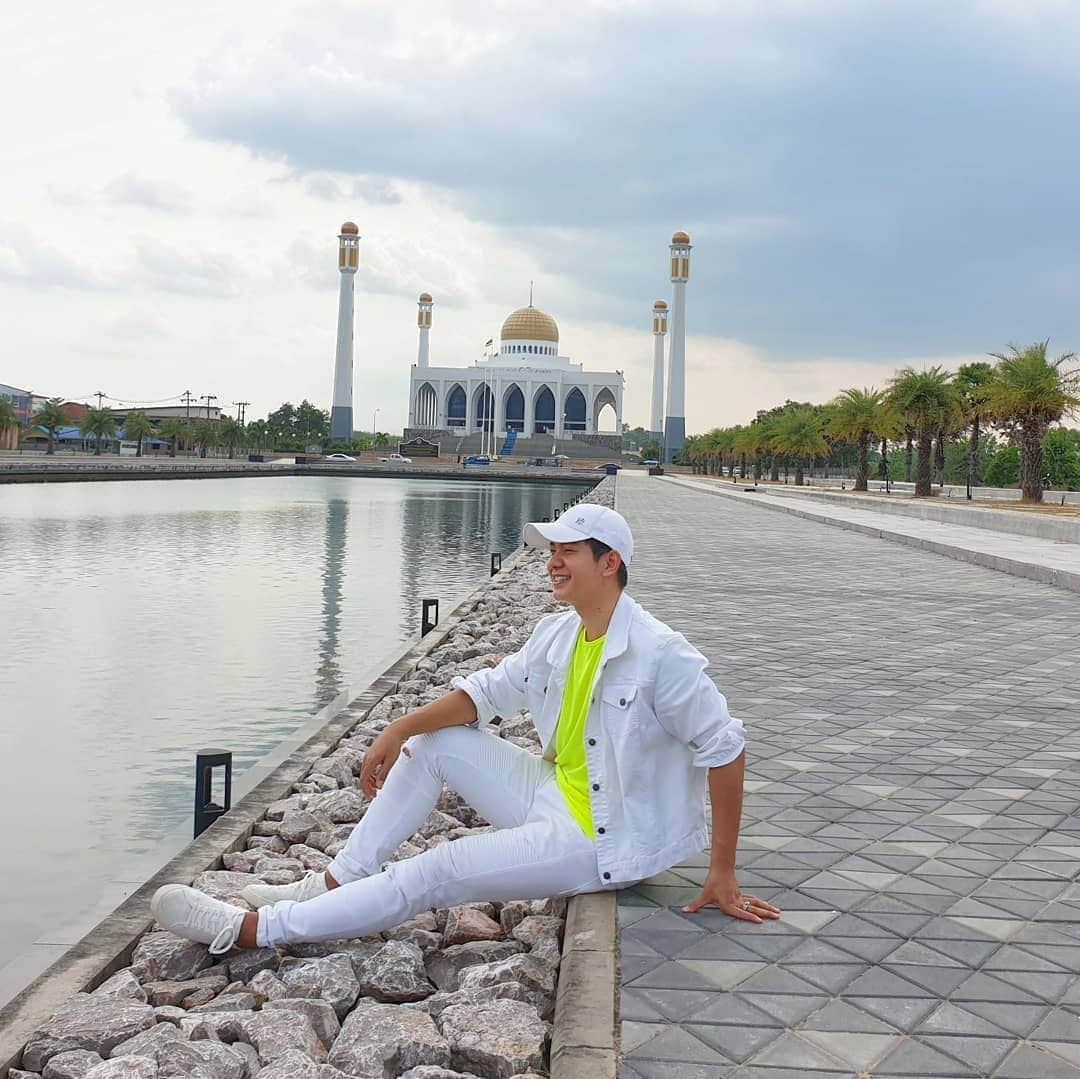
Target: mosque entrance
[544,412]
[515,410]
[574,415]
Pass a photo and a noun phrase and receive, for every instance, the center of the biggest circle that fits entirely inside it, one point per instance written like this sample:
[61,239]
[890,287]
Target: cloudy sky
[867,183]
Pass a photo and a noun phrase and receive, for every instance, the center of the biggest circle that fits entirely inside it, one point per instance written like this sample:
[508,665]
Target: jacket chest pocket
[620,706]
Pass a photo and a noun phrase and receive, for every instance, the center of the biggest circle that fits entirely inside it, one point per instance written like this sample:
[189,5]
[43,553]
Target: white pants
[538,851]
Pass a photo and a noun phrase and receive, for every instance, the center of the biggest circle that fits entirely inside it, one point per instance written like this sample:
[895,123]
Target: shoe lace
[226,938]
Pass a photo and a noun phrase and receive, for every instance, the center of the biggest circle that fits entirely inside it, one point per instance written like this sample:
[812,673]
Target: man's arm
[451,710]
[720,888]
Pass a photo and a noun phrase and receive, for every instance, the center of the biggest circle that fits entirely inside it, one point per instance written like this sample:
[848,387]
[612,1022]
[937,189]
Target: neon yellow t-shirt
[571,772]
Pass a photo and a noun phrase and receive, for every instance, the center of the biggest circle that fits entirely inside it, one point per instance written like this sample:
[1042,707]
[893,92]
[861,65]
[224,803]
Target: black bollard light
[496,562]
[206,810]
[427,623]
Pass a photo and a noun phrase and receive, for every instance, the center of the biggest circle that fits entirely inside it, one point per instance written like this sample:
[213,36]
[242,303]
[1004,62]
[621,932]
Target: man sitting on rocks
[632,728]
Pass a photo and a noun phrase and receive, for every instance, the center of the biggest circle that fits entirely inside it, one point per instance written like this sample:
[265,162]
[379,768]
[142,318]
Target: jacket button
[622,702]
[593,701]
[600,831]
[607,876]
[596,786]
[526,678]
[592,741]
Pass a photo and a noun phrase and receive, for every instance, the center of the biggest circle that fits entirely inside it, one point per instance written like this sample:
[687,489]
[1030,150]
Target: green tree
[7,415]
[99,422]
[380,441]
[206,436]
[311,425]
[257,434]
[860,416]
[1029,393]
[973,383]
[281,426]
[927,401]
[230,435]
[137,427]
[651,450]
[1061,458]
[174,430]
[799,434]
[1004,468]
[50,418]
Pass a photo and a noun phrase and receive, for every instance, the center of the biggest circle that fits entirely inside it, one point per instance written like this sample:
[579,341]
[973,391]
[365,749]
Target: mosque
[521,388]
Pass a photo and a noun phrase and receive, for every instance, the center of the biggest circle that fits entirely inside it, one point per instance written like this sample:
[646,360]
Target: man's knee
[431,747]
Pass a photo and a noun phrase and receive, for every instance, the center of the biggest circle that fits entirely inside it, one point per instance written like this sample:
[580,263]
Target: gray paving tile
[900,1012]
[982,1054]
[665,1069]
[918,1059]
[1027,1062]
[950,1018]
[737,1043]
[677,1044]
[789,1010]
[843,1018]
[792,1051]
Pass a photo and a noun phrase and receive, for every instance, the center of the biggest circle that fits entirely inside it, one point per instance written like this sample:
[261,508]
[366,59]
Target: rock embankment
[464,993]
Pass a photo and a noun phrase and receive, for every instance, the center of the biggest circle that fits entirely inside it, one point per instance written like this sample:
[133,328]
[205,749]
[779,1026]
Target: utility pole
[208,397]
[99,395]
[187,397]
[241,409]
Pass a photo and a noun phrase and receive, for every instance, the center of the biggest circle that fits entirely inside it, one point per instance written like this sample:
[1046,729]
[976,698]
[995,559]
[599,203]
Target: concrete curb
[109,946]
[1031,570]
[583,1041]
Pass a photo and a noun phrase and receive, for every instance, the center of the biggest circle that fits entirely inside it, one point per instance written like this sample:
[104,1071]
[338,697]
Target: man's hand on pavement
[721,890]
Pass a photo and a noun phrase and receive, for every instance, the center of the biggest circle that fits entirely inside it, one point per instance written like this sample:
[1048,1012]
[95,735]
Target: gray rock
[358,951]
[167,957]
[296,826]
[268,985]
[338,768]
[86,1023]
[378,1040]
[536,927]
[292,1065]
[175,993]
[272,843]
[277,810]
[250,1055]
[497,1040]
[73,1065]
[396,974]
[124,1068]
[169,1013]
[278,863]
[242,861]
[333,975]
[233,1002]
[465,924]
[514,913]
[444,968]
[526,970]
[323,1017]
[246,963]
[203,1058]
[150,1043]
[433,1071]
[276,1033]
[223,885]
[436,1004]
[309,857]
[123,985]
[556,908]
[427,942]
[340,806]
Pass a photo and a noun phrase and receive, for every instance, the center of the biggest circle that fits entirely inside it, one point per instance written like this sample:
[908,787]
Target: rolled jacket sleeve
[690,707]
[497,691]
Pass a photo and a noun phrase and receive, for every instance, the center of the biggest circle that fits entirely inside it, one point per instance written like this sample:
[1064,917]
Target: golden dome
[349,229]
[529,324]
[425,297]
[661,304]
[681,238]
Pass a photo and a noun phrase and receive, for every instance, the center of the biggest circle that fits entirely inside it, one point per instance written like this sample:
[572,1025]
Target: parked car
[396,459]
[339,457]
[650,463]
[611,466]
[477,459]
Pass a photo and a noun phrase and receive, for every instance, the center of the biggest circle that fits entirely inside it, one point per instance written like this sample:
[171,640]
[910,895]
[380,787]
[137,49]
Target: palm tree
[799,434]
[7,415]
[230,434]
[174,430]
[99,422]
[973,381]
[137,428]
[1031,392]
[206,436]
[749,442]
[50,418]
[381,439]
[927,401]
[860,416]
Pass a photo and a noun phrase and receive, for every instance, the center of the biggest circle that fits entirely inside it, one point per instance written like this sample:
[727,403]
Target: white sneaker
[197,916]
[311,884]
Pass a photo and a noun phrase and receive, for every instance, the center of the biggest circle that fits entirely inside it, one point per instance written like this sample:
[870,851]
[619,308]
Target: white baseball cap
[582,522]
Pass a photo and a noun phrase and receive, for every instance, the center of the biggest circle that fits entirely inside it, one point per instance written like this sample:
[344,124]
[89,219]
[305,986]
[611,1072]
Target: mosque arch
[483,410]
[427,406]
[544,411]
[605,412]
[456,406]
[514,408]
[574,411]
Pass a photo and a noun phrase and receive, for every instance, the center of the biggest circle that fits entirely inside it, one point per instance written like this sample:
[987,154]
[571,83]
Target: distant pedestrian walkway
[913,805]
[1045,560]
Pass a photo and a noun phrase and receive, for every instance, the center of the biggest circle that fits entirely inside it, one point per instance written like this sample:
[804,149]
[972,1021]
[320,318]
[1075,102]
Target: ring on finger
[746,904]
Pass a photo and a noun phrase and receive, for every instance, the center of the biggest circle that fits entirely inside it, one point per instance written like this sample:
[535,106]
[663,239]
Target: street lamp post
[373,432]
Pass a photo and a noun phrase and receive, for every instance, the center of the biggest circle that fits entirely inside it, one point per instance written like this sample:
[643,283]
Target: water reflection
[328,680]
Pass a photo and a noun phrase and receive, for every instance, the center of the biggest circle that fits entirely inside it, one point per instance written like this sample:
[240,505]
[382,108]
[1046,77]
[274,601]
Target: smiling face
[578,577]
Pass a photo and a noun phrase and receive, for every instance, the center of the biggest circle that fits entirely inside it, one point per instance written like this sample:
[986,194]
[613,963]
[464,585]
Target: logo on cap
[580,521]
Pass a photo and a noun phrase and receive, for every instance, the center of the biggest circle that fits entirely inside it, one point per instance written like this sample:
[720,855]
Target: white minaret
[341,410]
[659,329]
[423,320]
[675,422]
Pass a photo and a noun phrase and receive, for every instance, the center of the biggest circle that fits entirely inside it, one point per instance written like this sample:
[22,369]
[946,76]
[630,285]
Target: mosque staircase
[539,446]
[508,445]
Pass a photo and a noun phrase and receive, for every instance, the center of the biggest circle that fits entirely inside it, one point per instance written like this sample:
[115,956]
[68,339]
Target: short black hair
[599,550]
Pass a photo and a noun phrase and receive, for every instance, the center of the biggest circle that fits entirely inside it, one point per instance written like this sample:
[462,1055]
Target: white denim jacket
[656,724]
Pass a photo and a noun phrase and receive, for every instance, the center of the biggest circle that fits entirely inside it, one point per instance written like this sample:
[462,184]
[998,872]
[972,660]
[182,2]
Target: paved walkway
[1047,560]
[913,805]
